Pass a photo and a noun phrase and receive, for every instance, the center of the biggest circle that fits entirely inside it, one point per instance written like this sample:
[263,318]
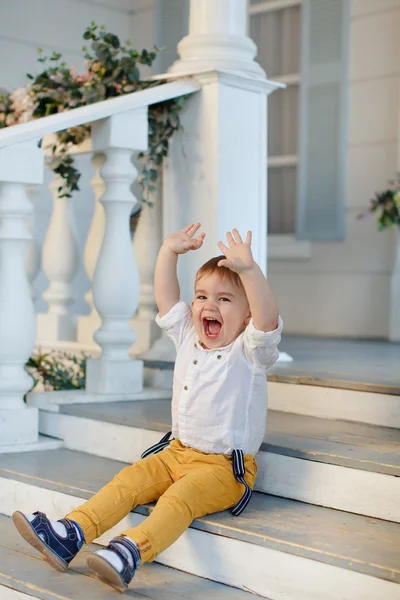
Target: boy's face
[220,311]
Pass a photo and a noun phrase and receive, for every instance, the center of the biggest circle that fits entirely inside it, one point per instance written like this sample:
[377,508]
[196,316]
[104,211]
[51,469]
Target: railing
[119,131]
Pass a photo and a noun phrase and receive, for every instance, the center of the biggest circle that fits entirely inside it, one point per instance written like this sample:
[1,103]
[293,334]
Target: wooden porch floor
[367,365]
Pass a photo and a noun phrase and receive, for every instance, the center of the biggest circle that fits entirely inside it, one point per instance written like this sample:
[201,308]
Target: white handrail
[37,128]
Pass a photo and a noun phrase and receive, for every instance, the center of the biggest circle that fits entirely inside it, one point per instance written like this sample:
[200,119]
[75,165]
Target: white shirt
[219,400]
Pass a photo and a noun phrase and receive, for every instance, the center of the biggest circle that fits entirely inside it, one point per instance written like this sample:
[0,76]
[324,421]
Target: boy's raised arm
[262,303]
[166,285]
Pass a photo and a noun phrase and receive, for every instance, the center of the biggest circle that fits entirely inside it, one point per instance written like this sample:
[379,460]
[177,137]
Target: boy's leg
[139,483]
[207,489]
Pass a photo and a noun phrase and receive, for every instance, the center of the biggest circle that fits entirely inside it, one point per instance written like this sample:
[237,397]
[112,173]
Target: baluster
[33,256]
[88,324]
[116,278]
[147,242]
[20,165]
[60,264]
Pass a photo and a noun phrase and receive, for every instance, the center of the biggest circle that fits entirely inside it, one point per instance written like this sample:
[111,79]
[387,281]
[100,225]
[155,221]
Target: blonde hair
[211,267]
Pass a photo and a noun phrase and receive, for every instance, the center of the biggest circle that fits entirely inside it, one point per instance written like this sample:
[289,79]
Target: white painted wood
[53,400]
[217,39]
[88,324]
[116,280]
[20,166]
[220,558]
[272,5]
[147,241]
[43,443]
[95,112]
[10,594]
[394,318]
[60,260]
[207,185]
[335,403]
[349,489]
[33,255]
[99,438]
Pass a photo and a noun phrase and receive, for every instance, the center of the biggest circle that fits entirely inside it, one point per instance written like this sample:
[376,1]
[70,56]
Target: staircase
[324,523]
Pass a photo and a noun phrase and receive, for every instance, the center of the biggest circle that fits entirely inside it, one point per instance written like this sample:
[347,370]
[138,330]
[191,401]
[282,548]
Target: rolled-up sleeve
[262,347]
[177,322]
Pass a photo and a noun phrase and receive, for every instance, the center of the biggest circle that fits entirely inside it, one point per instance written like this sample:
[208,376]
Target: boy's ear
[192,302]
[247,320]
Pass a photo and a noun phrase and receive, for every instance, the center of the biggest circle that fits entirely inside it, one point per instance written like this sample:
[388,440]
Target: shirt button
[219,356]
[186,387]
[195,362]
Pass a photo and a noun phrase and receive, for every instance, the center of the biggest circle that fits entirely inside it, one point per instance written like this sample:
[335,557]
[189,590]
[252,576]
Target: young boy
[224,343]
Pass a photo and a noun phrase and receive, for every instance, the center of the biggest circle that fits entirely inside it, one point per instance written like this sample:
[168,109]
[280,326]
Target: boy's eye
[201,297]
[225,299]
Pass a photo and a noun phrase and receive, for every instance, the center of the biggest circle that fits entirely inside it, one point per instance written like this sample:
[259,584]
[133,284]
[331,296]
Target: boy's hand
[182,241]
[239,257]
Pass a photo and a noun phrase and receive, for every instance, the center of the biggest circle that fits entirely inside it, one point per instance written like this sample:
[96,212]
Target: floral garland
[387,205]
[112,70]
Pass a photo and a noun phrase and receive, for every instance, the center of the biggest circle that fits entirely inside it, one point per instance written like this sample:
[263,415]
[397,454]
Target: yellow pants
[187,484]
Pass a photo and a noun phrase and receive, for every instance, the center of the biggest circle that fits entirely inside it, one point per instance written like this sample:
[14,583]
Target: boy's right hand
[182,241]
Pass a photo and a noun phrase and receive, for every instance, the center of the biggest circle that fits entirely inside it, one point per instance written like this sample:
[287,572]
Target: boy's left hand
[239,257]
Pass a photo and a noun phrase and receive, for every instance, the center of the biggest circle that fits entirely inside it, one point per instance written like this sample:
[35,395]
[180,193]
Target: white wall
[26,25]
[343,290]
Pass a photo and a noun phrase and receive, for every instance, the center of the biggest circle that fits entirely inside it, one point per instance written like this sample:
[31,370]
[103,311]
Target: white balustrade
[116,278]
[88,324]
[147,241]
[33,256]
[20,166]
[60,261]
[217,39]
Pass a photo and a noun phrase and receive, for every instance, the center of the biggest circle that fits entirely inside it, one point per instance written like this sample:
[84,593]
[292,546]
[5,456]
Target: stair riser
[353,490]
[7,593]
[222,559]
[335,403]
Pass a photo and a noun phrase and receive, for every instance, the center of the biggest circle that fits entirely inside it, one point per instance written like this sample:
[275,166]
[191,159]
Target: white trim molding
[271,5]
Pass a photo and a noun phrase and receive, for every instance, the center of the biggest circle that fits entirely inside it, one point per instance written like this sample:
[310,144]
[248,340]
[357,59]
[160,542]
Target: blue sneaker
[116,564]
[39,533]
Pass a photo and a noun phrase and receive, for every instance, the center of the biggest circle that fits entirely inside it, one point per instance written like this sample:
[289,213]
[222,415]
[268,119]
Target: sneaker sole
[106,573]
[28,533]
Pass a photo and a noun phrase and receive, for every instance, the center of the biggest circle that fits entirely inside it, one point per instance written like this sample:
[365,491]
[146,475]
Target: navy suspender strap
[239,471]
[163,443]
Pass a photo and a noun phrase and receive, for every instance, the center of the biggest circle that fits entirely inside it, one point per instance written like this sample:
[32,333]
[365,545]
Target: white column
[20,166]
[394,316]
[116,278]
[217,39]
[60,261]
[88,324]
[147,242]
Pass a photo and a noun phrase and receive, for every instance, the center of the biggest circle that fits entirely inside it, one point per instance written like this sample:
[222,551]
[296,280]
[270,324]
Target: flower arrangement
[387,205]
[57,371]
[112,70]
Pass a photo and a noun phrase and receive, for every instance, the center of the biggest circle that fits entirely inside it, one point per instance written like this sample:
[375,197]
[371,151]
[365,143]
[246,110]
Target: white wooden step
[347,466]
[279,548]
[23,574]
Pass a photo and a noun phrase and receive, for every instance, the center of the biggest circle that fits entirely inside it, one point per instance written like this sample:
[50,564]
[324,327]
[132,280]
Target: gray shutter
[323,111]
[172,24]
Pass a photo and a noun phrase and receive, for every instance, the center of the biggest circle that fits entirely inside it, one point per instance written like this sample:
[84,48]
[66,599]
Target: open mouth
[212,328]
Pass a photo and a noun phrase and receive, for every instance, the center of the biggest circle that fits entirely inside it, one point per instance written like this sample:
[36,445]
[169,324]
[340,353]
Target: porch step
[338,464]
[307,552]
[24,574]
